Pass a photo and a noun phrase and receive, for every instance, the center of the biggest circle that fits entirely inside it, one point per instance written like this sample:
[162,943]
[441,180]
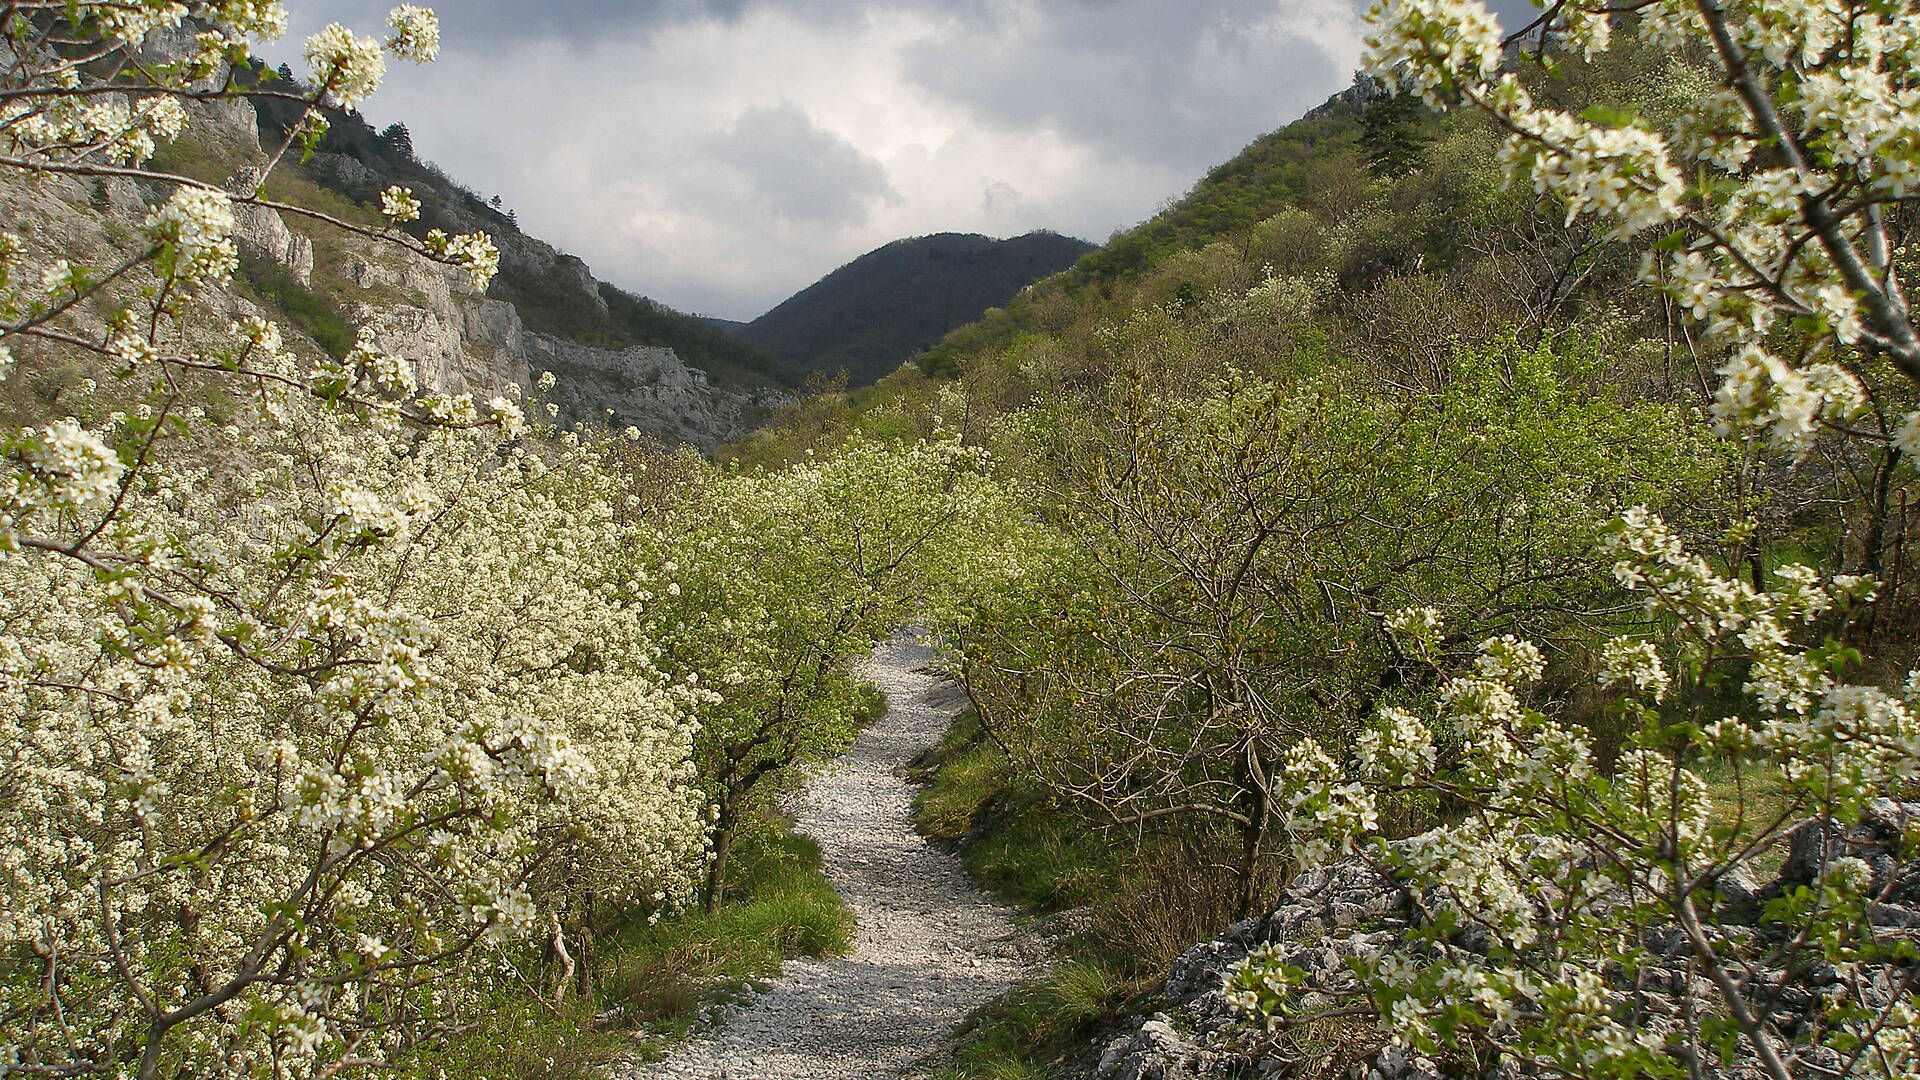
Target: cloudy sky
[719,155]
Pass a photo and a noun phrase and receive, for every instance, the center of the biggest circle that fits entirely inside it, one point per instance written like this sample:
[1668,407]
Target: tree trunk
[723,829]
[583,975]
[1258,800]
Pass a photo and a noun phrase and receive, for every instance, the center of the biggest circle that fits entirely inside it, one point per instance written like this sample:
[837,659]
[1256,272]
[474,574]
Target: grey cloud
[1184,83]
[488,25]
[1188,83]
[720,154]
[797,171]
[998,195]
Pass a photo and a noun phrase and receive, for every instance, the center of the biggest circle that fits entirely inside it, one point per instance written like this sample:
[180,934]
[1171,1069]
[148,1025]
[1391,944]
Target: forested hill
[881,309]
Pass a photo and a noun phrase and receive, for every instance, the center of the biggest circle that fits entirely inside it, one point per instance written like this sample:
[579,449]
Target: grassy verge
[652,982]
[1137,907]
[663,976]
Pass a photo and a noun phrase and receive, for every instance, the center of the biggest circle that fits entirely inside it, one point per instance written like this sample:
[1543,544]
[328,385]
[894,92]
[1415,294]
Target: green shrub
[275,286]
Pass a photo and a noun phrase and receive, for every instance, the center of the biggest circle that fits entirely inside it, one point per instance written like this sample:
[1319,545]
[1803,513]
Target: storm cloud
[721,154]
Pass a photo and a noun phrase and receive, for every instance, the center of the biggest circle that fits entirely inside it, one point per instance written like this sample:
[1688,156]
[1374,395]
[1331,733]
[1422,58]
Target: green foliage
[657,977]
[1137,902]
[275,286]
[1015,842]
[724,357]
[663,974]
[1233,552]
[1390,134]
[798,574]
[1022,1033]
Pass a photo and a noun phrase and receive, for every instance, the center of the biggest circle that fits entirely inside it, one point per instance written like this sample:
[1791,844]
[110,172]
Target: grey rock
[265,233]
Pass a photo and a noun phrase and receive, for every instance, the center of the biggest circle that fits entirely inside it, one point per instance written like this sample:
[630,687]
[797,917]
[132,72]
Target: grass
[654,981]
[1035,854]
[664,975]
[1016,843]
[313,313]
[1019,1035]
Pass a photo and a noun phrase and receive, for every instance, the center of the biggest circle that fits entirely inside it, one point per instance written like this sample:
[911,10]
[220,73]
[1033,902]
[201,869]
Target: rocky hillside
[1327,916]
[620,358]
[889,305]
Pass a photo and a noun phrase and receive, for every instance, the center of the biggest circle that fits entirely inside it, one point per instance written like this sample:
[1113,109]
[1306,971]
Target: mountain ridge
[880,310]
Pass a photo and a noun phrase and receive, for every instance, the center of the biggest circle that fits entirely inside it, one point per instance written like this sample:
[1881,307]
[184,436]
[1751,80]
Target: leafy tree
[792,577]
[1775,199]
[1235,553]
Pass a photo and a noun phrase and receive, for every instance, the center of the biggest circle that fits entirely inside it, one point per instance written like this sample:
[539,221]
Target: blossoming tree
[1772,214]
[320,689]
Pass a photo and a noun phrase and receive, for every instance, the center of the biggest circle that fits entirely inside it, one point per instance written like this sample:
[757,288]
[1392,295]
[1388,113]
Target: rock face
[264,232]
[459,339]
[1327,916]
[462,341]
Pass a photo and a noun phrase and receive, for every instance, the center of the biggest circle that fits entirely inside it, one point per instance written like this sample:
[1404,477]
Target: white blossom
[350,67]
[416,34]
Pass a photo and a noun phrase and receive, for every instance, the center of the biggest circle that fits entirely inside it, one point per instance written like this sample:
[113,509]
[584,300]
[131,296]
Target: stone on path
[929,946]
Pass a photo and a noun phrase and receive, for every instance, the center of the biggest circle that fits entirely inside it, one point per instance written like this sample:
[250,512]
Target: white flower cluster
[350,68]
[473,252]
[416,34]
[392,374]
[1620,173]
[263,20]
[1625,660]
[399,205]
[1907,438]
[113,129]
[1759,392]
[1417,626]
[1557,860]
[63,466]
[193,233]
[1427,45]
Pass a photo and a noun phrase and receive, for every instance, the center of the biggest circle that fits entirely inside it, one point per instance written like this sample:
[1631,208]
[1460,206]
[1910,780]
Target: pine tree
[1390,135]
[399,140]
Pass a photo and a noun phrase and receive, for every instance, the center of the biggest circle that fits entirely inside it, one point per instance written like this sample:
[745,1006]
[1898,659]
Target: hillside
[893,303]
[1442,599]
[1351,377]
[555,293]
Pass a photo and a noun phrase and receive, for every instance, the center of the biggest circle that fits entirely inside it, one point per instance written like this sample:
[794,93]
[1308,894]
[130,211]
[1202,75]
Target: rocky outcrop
[1329,916]
[462,341]
[265,233]
[647,388]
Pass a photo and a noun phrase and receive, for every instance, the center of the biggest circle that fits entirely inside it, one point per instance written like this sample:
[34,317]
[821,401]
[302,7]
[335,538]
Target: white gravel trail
[929,947]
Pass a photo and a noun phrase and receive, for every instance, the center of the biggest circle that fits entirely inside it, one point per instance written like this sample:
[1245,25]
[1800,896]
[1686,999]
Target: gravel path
[929,946]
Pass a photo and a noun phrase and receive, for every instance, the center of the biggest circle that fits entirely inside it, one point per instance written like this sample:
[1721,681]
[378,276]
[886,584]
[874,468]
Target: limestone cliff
[458,338]
[461,340]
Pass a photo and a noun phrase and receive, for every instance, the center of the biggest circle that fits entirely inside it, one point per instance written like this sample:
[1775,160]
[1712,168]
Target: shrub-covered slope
[1353,382]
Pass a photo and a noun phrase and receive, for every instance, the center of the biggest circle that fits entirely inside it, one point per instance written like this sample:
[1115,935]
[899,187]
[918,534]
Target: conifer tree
[1390,134]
